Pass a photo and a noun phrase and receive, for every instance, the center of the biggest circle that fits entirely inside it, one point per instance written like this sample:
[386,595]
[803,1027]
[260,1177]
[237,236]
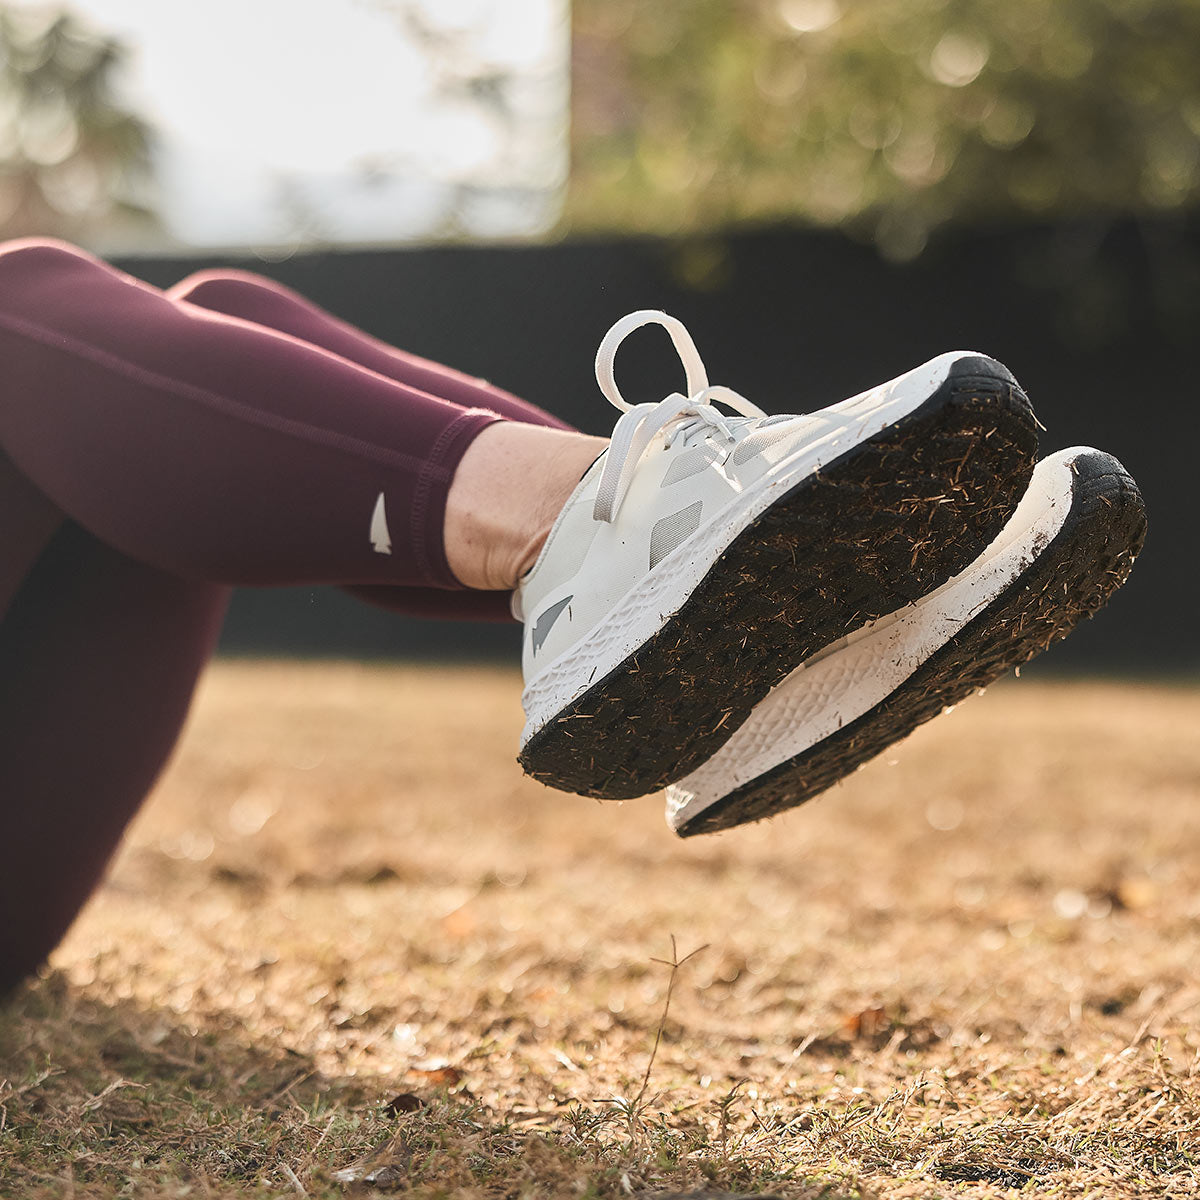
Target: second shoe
[1068,547]
[706,554]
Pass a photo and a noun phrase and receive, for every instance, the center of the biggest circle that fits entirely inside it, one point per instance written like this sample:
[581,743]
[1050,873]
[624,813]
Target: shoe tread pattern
[878,527]
[1076,574]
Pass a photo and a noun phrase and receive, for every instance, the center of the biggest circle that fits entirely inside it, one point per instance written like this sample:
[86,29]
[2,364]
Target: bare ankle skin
[509,487]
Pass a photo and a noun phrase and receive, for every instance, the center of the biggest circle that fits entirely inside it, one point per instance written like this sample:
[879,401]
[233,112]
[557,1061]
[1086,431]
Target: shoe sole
[1067,581]
[878,526]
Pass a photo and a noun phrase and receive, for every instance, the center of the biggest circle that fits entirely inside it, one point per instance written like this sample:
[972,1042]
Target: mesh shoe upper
[671,467]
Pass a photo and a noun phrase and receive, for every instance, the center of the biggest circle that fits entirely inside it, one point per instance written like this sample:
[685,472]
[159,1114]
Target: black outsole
[880,526]
[1074,576]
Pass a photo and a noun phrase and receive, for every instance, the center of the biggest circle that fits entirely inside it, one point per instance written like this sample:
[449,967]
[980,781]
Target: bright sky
[286,119]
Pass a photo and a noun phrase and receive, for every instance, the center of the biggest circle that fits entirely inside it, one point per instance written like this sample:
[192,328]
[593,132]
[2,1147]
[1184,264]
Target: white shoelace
[677,417]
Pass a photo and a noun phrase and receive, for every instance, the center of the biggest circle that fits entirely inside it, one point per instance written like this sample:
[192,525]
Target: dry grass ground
[348,949]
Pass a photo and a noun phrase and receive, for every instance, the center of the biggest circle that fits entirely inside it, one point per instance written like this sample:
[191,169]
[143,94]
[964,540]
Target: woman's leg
[149,453]
[98,659]
[28,521]
[264,302]
[213,448]
[255,298]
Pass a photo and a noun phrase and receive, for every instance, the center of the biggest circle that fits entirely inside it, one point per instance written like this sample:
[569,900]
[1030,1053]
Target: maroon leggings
[156,448]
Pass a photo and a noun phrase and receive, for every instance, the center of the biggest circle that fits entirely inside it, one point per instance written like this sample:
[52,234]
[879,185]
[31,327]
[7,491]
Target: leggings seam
[287,426]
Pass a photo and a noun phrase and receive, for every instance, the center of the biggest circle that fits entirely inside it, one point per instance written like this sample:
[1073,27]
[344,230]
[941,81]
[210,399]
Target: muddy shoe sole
[877,524]
[1070,552]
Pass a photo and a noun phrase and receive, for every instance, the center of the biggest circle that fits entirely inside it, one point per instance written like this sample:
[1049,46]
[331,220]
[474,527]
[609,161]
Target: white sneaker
[704,555]
[1068,547]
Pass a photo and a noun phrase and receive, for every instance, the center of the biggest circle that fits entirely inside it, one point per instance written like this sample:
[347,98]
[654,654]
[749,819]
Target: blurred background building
[827,192]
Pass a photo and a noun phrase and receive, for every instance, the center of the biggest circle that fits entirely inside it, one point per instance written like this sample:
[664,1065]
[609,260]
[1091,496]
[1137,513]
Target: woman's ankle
[510,486]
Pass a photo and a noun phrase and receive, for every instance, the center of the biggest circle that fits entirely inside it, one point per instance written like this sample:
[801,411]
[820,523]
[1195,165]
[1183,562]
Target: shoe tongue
[592,465]
[738,428]
[742,425]
[584,494]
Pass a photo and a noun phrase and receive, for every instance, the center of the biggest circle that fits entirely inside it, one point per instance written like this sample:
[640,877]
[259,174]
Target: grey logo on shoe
[544,623]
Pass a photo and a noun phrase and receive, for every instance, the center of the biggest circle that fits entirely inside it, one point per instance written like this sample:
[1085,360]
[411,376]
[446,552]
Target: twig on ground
[675,963]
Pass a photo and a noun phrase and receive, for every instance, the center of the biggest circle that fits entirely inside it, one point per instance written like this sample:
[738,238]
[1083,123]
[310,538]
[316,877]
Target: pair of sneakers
[743,608]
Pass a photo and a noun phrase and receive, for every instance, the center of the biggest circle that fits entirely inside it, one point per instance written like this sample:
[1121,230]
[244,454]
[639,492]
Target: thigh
[99,656]
[253,298]
[213,447]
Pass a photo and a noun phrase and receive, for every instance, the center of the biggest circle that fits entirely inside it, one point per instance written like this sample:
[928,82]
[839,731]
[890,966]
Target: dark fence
[1099,323]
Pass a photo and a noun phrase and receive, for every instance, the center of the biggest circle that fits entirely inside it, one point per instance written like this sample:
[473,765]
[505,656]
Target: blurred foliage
[888,117]
[71,153]
[495,68]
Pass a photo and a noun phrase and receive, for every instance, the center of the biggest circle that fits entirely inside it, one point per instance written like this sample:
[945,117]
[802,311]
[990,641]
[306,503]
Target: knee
[43,251]
[36,273]
[205,287]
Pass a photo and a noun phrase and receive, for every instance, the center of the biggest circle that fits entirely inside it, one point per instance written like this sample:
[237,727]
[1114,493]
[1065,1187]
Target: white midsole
[647,606]
[849,678]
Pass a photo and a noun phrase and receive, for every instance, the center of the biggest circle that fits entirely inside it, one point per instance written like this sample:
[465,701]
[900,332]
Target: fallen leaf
[446,1077]
[460,924]
[386,1178]
[866,1024]
[1134,894]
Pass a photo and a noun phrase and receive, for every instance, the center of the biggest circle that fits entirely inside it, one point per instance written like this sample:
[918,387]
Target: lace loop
[678,416]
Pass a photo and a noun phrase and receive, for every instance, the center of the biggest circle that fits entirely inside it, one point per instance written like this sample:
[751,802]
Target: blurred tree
[71,154]
[519,99]
[888,117]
